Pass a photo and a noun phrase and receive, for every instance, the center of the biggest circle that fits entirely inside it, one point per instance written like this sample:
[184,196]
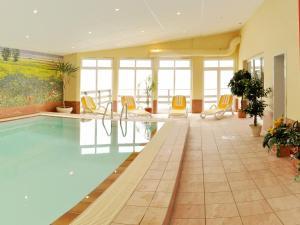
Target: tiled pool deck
[227,178]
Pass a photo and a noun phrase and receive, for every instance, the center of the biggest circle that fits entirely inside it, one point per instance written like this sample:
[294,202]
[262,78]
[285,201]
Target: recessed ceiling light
[240,23]
[35,11]
[73,47]
[178,13]
[117,9]
[27,36]
[142,31]
[90,32]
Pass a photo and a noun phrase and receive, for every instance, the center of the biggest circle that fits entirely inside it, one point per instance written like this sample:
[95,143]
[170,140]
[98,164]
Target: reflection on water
[101,136]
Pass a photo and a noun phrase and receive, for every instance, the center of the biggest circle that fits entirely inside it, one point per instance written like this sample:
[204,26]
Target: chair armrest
[213,106]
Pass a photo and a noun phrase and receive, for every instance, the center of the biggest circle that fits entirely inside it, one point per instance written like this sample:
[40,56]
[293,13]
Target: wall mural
[28,78]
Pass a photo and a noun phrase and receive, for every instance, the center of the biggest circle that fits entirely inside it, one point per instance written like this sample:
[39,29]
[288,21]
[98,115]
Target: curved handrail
[122,130]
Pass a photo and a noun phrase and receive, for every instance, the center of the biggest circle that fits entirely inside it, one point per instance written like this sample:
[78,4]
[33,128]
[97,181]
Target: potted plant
[65,70]
[237,86]
[149,87]
[281,138]
[255,92]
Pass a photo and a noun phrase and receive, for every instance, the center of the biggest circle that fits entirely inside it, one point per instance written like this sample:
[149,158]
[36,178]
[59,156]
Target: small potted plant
[149,87]
[237,86]
[65,70]
[280,138]
[255,93]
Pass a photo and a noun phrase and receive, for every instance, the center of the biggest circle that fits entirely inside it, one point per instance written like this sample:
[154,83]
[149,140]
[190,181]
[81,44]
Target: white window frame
[174,68]
[218,69]
[97,68]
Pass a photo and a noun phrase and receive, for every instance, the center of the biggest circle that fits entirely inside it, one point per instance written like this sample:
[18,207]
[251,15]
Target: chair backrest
[129,100]
[179,102]
[88,104]
[225,101]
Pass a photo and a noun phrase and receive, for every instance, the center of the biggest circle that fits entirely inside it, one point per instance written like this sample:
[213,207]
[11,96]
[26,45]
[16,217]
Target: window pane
[210,80]
[143,63]
[182,63]
[166,63]
[165,79]
[183,79]
[89,63]
[127,63]
[226,63]
[211,63]
[126,82]
[87,133]
[105,79]
[104,63]
[88,80]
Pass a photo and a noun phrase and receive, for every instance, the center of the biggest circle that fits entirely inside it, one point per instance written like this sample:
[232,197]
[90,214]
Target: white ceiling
[63,26]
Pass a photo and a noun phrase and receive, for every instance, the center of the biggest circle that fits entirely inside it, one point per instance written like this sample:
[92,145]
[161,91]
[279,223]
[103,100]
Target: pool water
[48,164]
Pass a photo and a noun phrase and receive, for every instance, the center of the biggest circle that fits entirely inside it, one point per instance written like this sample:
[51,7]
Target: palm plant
[149,87]
[65,71]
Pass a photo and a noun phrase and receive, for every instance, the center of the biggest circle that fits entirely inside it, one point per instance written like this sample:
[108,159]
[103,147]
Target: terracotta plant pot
[66,109]
[241,114]
[256,130]
[283,151]
[295,165]
[148,109]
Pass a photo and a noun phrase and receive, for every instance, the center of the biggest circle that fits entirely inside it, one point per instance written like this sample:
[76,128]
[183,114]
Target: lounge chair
[224,105]
[178,108]
[89,106]
[129,102]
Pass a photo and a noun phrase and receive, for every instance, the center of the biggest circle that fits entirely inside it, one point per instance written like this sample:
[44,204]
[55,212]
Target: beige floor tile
[188,222]
[218,197]
[192,170]
[153,174]
[169,175]
[213,170]
[284,203]
[263,219]
[161,199]
[130,215]
[148,185]
[166,186]
[247,195]
[242,185]
[188,212]
[238,176]
[154,216]
[266,182]
[189,198]
[254,208]
[224,221]
[290,217]
[140,198]
[221,210]
[191,186]
[273,192]
[191,177]
[216,186]
[215,178]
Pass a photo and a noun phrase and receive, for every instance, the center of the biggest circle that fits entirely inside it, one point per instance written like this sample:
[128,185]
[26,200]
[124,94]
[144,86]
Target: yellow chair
[178,106]
[224,105]
[89,106]
[132,108]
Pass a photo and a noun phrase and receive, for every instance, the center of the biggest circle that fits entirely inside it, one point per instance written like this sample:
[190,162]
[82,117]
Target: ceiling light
[117,10]
[178,13]
[155,50]
[27,36]
[90,32]
[35,11]
[142,31]
[72,47]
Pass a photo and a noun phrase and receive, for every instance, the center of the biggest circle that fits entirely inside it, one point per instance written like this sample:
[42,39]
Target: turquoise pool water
[48,164]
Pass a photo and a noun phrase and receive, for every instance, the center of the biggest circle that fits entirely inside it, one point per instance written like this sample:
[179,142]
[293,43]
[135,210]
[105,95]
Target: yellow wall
[210,44]
[273,30]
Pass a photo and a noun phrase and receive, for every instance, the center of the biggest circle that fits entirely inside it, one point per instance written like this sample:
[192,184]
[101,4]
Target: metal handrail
[122,130]
[126,112]
[105,112]
[104,126]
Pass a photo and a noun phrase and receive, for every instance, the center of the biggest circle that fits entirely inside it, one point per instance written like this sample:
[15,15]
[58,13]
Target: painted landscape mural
[28,78]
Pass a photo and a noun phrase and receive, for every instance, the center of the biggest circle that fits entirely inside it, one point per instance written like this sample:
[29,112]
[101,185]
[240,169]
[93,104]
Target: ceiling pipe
[197,52]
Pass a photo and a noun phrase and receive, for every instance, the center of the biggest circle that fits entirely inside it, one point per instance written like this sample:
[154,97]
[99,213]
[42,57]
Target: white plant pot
[66,109]
[256,130]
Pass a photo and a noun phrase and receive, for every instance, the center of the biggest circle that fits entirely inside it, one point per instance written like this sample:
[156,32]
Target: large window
[96,80]
[132,76]
[174,78]
[217,74]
